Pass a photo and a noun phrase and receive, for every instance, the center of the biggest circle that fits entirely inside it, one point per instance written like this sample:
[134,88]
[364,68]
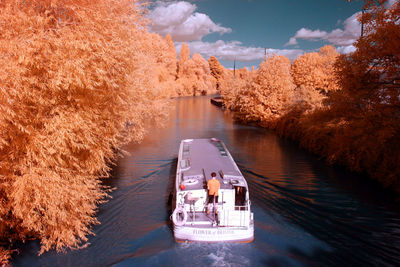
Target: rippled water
[306,212]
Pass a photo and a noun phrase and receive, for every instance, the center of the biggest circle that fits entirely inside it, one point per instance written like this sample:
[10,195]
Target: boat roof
[204,156]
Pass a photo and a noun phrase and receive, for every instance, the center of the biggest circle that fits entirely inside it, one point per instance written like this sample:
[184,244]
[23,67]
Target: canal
[306,212]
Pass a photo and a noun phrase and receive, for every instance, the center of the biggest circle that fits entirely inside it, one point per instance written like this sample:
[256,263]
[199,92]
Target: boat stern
[214,234]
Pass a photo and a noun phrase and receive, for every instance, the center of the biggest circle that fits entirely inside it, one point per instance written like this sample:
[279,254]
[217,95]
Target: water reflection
[306,212]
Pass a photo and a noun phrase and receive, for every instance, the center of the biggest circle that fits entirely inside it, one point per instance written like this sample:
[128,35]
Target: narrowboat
[194,219]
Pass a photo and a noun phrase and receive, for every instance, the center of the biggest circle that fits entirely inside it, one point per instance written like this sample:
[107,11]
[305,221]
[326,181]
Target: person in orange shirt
[213,186]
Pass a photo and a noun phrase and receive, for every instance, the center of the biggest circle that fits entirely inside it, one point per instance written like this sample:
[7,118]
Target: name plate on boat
[213,232]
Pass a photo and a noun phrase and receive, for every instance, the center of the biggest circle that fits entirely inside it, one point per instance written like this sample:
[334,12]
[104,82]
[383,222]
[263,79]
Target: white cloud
[338,37]
[343,38]
[292,41]
[389,3]
[181,21]
[234,50]
[346,49]
[304,33]
[185,25]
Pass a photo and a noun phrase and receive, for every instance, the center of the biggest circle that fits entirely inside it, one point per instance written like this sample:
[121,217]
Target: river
[306,212]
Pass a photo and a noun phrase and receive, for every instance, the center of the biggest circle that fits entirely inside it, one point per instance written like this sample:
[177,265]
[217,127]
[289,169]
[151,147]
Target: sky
[241,30]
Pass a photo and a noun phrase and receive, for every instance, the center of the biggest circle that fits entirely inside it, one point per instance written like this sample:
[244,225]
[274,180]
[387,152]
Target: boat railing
[243,220]
[239,216]
[241,207]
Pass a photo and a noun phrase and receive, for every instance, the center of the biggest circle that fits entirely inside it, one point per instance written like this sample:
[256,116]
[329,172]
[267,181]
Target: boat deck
[200,157]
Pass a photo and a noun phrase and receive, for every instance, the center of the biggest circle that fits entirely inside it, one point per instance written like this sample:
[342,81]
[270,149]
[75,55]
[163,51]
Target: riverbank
[341,143]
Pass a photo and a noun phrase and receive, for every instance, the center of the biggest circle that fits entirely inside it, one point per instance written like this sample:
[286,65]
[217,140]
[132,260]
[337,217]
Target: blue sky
[241,29]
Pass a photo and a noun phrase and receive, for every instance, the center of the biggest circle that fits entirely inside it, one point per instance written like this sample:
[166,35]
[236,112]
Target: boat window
[240,196]
[221,149]
[185,164]
[186,149]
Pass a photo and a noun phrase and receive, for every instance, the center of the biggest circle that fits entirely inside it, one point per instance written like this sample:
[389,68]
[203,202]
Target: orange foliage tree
[369,102]
[314,75]
[4,256]
[184,64]
[171,57]
[194,75]
[269,95]
[217,71]
[204,82]
[161,54]
[230,84]
[74,87]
